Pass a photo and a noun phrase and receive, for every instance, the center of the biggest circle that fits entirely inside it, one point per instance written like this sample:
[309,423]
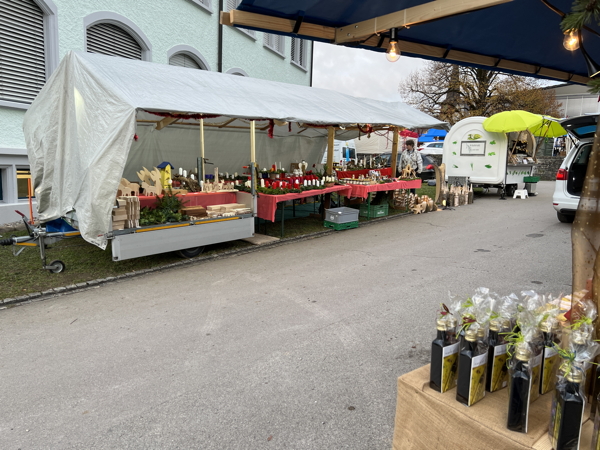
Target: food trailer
[484,158]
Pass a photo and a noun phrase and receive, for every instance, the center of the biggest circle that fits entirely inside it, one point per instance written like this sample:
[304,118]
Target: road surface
[293,347]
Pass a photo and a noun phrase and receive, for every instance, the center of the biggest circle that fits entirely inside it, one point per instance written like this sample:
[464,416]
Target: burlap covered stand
[428,420]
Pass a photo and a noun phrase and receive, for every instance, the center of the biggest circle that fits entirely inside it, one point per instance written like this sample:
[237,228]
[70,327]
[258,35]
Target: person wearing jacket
[412,157]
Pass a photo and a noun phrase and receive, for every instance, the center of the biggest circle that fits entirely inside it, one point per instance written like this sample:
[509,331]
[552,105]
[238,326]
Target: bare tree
[451,93]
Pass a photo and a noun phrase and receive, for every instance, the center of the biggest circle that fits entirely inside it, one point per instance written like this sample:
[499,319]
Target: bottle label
[449,366]
[499,369]
[477,382]
[595,440]
[536,367]
[549,368]
[555,416]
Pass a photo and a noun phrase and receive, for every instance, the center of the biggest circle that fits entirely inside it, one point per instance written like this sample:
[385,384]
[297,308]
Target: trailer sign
[472,148]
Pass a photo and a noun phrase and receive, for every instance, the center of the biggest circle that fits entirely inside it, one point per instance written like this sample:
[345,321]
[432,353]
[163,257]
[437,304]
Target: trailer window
[22,176]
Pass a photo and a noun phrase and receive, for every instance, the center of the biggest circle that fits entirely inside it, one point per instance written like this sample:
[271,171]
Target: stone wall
[545,169]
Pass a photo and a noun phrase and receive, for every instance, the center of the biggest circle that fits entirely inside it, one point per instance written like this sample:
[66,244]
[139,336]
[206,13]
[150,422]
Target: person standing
[412,157]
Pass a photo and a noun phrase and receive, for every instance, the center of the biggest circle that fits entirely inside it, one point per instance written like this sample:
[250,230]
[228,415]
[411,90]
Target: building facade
[575,100]
[36,34]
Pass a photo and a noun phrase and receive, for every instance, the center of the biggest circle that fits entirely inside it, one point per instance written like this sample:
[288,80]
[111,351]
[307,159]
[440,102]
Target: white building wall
[165,24]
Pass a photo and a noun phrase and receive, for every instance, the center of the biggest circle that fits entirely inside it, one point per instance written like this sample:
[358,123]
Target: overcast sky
[361,73]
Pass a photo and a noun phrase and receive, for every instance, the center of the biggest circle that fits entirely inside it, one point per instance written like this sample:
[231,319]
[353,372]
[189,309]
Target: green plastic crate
[340,226]
[531,179]
[373,210]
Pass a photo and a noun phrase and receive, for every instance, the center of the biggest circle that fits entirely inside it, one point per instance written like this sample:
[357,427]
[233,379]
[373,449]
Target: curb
[51,293]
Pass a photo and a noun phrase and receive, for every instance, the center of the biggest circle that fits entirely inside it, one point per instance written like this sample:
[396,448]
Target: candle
[235,174]
[305,183]
[185,173]
[226,174]
[180,171]
[195,170]
[171,182]
[192,176]
[262,182]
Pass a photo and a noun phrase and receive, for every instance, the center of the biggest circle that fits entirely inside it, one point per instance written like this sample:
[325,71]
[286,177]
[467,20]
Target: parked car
[431,148]
[428,172]
[570,176]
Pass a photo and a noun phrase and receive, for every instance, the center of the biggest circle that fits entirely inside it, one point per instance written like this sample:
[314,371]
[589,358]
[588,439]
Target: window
[22,50]
[23,175]
[183,60]
[233,4]
[206,4]
[275,42]
[299,53]
[109,39]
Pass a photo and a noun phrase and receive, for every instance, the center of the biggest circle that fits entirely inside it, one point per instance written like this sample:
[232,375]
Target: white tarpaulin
[79,130]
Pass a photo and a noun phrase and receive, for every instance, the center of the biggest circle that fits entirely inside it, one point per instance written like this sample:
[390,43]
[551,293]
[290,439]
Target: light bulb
[393,52]
[571,40]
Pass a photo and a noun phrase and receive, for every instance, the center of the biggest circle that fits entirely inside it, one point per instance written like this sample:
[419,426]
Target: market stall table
[267,204]
[426,419]
[363,190]
[386,172]
[196,198]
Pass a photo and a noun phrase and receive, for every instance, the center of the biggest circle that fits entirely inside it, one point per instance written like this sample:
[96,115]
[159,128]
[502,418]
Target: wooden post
[330,144]
[201,175]
[394,161]
[253,154]
[252,141]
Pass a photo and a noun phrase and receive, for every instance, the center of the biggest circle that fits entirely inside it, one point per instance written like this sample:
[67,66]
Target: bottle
[437,358]
[518,395]
[497,372]
[451,323]
[549,358]
[471,371]
[567,413]
[596,393]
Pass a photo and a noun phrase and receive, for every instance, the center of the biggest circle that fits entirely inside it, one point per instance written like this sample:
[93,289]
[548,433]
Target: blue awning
[521,36]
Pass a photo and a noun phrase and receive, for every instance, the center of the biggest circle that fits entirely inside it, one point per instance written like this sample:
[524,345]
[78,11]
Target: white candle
[195,170]
[185,173]
[235,174]
[170,181]
[305,183]
[180,171]
[262,182]
[192,176]
[280,166]
[226,174]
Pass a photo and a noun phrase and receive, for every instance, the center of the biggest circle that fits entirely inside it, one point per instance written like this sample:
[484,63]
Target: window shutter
[109,39]
[22,50]
[233,4]
[274,42]
[183,60]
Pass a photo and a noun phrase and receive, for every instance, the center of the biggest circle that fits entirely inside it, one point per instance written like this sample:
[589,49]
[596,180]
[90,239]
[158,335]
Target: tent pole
[394,161]
[330,143]
[253,151]
[201,168]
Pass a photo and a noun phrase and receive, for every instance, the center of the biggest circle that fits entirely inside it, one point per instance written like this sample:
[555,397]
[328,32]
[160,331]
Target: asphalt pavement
[297,346]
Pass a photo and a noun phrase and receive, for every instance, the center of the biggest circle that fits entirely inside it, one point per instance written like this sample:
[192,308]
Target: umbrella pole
[503,196]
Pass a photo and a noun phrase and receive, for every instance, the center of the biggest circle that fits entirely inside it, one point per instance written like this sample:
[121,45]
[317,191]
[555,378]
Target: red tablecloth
[196,199]
[267,204]
[363,190]
[387,172]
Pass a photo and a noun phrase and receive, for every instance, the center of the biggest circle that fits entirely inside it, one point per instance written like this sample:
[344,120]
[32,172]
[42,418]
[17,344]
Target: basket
[531,179]
[371,211]
[340,226]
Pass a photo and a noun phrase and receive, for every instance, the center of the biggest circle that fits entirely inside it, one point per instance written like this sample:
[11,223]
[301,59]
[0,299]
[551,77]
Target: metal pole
[201,165]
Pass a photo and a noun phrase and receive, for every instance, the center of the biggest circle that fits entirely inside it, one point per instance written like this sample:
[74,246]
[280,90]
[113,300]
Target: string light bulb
[393,52]
[571,40]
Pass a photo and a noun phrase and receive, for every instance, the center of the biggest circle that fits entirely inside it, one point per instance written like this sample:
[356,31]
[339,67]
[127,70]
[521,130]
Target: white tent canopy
[80,129]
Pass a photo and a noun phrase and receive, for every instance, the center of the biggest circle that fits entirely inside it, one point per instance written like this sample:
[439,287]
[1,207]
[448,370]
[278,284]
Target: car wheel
[565,218]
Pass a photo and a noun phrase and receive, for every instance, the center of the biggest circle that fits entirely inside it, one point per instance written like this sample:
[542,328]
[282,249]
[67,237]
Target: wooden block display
[126,214]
